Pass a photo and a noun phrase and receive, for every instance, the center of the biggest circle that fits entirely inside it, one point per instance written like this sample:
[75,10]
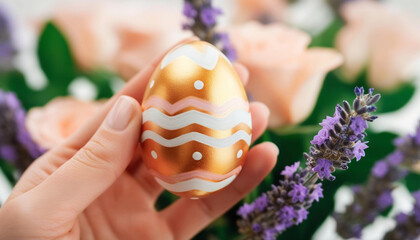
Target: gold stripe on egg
[174,160]
[195,193]
[190,108]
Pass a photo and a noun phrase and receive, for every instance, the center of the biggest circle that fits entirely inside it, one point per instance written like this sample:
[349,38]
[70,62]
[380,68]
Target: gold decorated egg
[196,127]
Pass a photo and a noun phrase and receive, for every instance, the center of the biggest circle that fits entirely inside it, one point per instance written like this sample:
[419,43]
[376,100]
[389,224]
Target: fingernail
[275,148]
[266,110]
[120,114]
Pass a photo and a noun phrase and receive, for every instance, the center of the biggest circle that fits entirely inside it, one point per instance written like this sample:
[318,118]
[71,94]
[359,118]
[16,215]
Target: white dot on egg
[198,84]
[239,154]
[197,156]
[194,198]
[154,154]
[152,83]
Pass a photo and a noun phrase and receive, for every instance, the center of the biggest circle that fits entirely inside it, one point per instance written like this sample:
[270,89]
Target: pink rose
[284,74]
[120,36]
[51,124]
[385,40]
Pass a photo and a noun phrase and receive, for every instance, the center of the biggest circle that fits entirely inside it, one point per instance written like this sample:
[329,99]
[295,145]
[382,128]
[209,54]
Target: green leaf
[333,91]
[412,181]
[327,37]
[102,80]
[55,59]
[8,171]
[392,101]
[29,98]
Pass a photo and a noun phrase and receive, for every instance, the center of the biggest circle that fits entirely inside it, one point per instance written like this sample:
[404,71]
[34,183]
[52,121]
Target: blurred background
[62,58]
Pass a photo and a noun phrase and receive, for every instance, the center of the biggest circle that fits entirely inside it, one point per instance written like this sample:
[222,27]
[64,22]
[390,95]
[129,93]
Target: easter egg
[196,126]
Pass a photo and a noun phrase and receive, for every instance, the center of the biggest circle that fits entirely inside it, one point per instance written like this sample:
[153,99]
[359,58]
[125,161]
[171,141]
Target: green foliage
[102,80]
[327,37]
[55,59]
[412,181]
[8,170]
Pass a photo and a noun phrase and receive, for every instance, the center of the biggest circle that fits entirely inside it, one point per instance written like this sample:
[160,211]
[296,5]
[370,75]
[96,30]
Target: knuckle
[95,155]
[206,209]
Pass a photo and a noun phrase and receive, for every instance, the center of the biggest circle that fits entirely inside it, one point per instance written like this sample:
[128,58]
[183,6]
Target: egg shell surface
[196,127]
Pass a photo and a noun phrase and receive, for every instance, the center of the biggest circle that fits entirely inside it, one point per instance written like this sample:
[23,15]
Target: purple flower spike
[289,170]
[189,11]
[416,196]
[245,210]
[201,19]
[208,15]
[417,136]
[323,168]
[340,139]
[256,227]
[401,218]
[335,145]
[396,158]
[358,91]
[298,193]
[358,125]
[408,225]
[375,196]
[261,203]
[380,169]
[385,200]
[320,138]
[359,150]
[7,45]
[302,214]
[286,215]
[8,152]
[270,234]
[317,192]
[16,145]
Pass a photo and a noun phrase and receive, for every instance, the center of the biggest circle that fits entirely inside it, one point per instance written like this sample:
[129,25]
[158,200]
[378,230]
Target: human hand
[94,185]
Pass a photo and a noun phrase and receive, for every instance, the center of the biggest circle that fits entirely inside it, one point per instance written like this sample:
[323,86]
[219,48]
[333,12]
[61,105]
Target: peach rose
[259,9]
[121,36]
[284,74]
[51,124]
[384,39]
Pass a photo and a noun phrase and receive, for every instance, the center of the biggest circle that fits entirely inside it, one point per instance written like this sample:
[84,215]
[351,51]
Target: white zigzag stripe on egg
[208,59]
[191,101]
[198,137]
[195,117]
[196,184]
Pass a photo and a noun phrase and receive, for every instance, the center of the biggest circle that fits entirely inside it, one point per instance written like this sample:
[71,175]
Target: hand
[94,185]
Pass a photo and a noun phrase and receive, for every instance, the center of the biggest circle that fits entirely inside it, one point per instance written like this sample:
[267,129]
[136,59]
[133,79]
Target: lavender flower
[341,137]
[284,206]
[369,200]
[408,225]
[287,204]
[16,145]
[373,198]
[409,148]
[7,49]
[201,20]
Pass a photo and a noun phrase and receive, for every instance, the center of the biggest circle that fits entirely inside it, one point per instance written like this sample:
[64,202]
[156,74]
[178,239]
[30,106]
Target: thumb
[93,169]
